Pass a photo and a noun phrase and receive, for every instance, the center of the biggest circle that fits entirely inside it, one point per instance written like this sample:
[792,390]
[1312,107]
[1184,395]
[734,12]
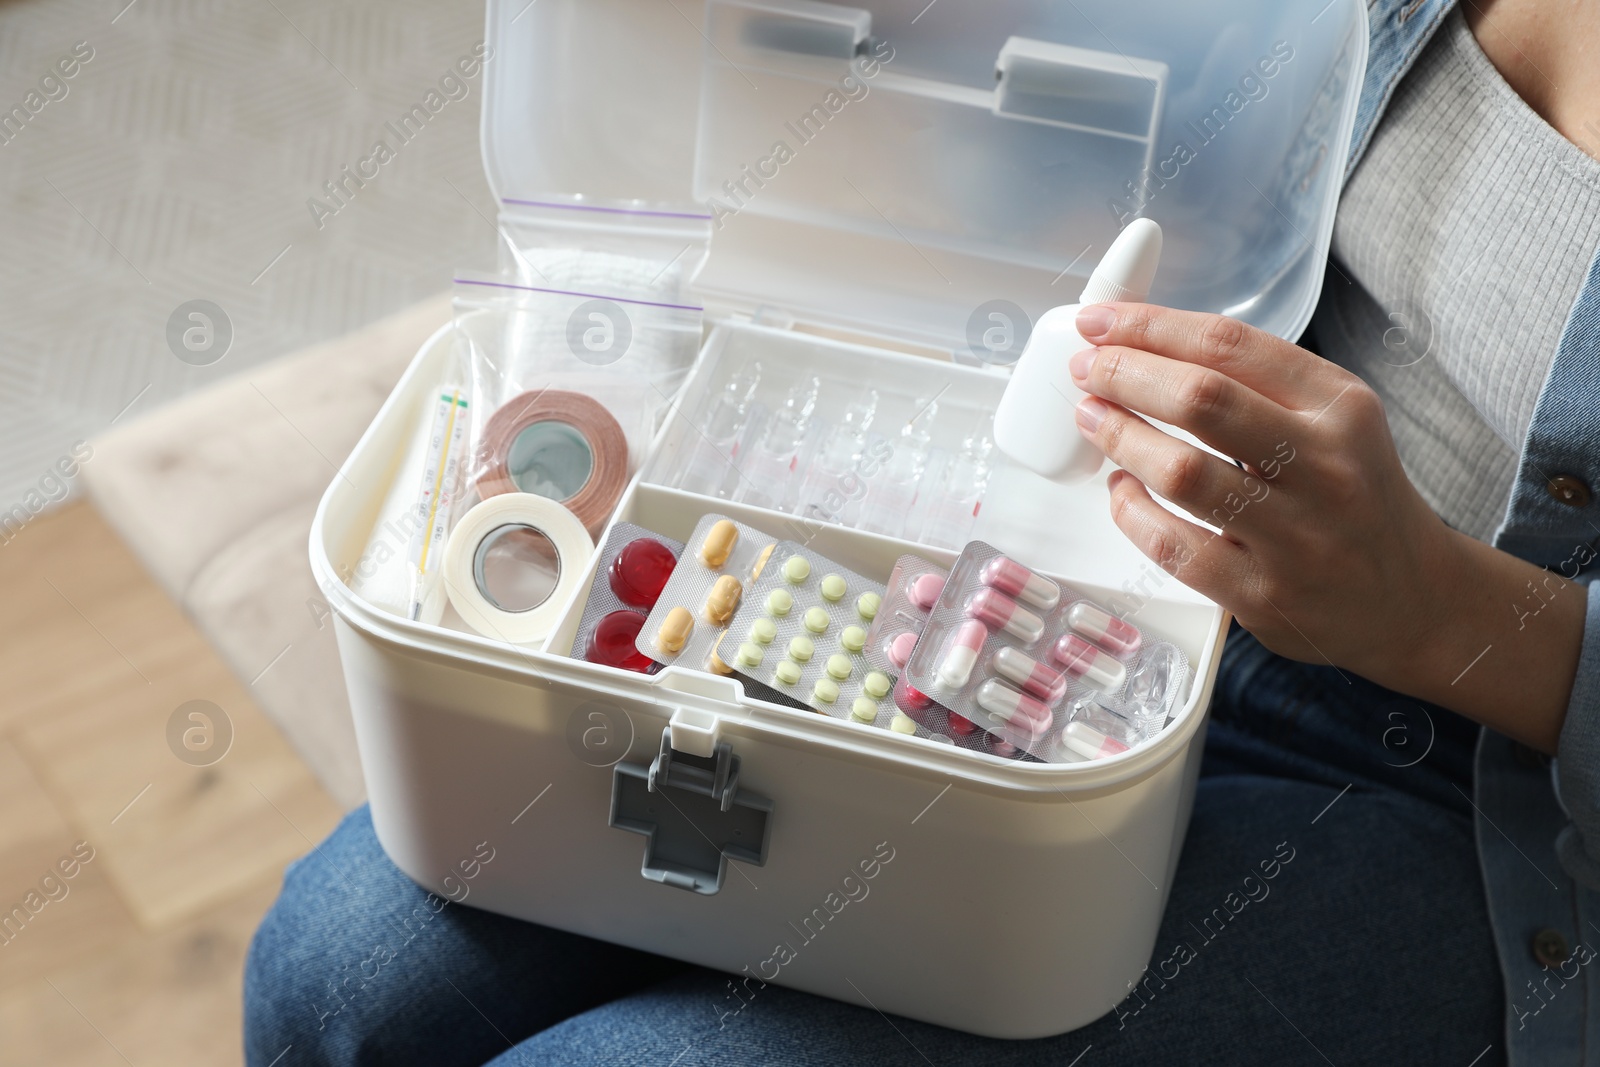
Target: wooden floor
[136,959]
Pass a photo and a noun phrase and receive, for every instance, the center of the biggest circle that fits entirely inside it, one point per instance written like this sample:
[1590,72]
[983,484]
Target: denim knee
[315,975]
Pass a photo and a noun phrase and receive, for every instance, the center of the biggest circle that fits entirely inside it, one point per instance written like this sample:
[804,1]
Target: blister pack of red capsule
[913,589]
[1016,653]
[919,714]
[634,567]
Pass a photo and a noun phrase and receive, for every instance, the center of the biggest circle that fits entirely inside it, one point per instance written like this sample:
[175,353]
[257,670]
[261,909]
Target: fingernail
[1094,320]
[1080,363]
[1091,413]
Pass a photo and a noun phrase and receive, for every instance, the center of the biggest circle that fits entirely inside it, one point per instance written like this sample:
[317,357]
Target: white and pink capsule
[1103,628]
[1024,715]
[999,612]
[1086,741]
[961,654]
[1085,660]
[1015,580]
[1029,675]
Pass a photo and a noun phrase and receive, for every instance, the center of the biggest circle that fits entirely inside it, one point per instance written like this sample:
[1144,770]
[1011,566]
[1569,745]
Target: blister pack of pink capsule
[913,589]
[1039,666]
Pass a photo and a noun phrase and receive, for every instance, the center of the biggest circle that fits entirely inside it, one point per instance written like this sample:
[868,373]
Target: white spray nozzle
[1034,423]
[1128,267]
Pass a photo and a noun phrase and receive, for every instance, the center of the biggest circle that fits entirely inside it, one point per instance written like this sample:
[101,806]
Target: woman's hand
[1326,551]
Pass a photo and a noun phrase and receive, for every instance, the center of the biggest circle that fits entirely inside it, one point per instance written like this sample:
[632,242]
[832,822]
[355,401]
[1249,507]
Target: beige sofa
[216,492]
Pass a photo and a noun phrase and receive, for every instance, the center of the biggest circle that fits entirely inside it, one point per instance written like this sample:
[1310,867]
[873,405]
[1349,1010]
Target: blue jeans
[1370,945]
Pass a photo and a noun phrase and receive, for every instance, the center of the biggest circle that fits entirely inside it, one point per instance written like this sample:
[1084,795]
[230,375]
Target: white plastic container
[1006,899]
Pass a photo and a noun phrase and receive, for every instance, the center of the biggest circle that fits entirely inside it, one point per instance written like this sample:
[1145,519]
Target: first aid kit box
[889,193]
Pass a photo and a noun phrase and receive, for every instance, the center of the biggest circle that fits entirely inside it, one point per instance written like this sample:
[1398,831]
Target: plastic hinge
[681,770]
[803,27]
[711,820]
[1107,93]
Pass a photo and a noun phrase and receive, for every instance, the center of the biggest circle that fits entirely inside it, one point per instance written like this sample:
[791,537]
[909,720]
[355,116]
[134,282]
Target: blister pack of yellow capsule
[719,561]
[803,631]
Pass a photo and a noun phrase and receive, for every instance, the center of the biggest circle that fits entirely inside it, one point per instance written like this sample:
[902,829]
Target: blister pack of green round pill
[802,629]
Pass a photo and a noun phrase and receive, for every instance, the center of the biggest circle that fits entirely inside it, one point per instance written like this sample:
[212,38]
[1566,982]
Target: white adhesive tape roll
[557,537]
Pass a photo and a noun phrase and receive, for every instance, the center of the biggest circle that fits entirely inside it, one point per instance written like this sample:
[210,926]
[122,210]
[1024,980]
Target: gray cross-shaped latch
[693,815]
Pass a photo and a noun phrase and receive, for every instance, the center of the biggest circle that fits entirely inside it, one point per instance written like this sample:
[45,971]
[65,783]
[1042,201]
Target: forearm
[1501,648]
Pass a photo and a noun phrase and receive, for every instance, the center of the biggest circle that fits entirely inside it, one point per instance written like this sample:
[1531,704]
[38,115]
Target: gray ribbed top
[1460,245]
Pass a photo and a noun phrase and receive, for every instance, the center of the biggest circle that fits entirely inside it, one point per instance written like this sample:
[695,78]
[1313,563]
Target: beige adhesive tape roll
[559,444]
[510,537]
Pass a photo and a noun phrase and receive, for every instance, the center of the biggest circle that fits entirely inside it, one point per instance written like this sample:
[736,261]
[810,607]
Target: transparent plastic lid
[897,166]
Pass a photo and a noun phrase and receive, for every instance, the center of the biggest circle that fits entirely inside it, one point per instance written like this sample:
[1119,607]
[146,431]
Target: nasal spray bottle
[1034,423]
